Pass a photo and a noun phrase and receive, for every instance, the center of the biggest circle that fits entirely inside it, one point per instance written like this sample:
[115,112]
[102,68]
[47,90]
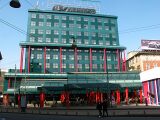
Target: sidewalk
[123,110]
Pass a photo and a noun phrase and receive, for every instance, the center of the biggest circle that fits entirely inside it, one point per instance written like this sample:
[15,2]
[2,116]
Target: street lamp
[15,4]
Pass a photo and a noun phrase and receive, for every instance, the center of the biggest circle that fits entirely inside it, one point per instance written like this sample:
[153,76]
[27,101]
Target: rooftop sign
[74,9]
[150,44]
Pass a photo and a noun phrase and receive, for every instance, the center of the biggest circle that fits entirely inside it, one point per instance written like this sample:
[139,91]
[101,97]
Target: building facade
[145,59]
[64,50]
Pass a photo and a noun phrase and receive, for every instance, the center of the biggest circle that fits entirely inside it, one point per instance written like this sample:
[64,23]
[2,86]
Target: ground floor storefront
[73,88]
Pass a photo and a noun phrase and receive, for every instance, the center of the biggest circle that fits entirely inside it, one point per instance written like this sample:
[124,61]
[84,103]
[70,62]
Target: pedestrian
[99,108]
[23,103]
[105,106]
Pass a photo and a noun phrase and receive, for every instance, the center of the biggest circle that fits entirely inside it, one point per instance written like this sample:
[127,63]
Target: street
[20,116]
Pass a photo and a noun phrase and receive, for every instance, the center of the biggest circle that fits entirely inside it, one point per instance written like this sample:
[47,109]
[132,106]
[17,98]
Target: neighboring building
[147,58]
[72,51]
[151,85]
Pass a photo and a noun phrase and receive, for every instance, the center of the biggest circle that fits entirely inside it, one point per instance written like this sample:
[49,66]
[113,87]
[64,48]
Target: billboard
[150,44]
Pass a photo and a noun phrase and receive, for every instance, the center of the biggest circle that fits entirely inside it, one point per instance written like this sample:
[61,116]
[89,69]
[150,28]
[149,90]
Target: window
[80,66]
[99,27]
[101,57]
[78,18]
[48,16]
[86,41]
[33,16]
[86,19]
[55,40]
[63,65]
[71,25]
[40,31]
[63,17]
[48,31]
[99,20]
[114,43]
[100,42]
[86,57]
[105,20]
[92,19]
[41,16]
[93,42]
[64,25]
[55,57]
[109,66]
[113,21]
[63,40]
[94,57]
[56,32]
[40,39]
[33,23]
[85,33]
[108,58]
[99,34]
[78,41]
[39,56]
[56,17]
[106,27]
[71,57]
[71,18]
[147,66]
[79,33]
[86,66]
[71,65]
[32,56]
[48,40]
[71,33]
[47,65]
[92,26]
[94,66]
[32,39]
[106,35]
[48,24]
[55,65]
[47,56]
[93,34]
[56,24]
[40,24]
[107,42]
[78,25]
[64,57]
[79,57]
[63,32]
[32,31]
[113,35]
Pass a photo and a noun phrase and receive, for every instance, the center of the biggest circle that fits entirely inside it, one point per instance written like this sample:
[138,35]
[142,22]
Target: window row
[79,66]
[72,18]
[71,57]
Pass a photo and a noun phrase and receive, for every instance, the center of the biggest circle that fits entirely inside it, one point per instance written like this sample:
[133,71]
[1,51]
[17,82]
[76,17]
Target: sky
[137,20]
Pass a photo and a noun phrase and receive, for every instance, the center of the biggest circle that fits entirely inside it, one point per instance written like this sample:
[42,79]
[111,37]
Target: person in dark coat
[99,108]
[105,106]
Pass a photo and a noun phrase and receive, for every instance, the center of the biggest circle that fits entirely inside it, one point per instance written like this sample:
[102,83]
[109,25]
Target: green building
[77,51]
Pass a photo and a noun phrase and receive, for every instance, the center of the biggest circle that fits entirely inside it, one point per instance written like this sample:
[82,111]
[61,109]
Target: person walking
[99,108]
[105,106]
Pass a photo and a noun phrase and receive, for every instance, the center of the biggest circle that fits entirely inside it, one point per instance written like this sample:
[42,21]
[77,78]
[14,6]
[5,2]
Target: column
[90,56]
[104,59]
[75,59]
[140,96]
[126,94]
[21,59]
[44,59]
[19,100]
[42,99]
[9,83]
[155,89]
[60,50]
[118,97]
[29,56]
[125,61]
[118,60]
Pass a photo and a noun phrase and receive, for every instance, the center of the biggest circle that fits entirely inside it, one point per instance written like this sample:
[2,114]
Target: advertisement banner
[150,44]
